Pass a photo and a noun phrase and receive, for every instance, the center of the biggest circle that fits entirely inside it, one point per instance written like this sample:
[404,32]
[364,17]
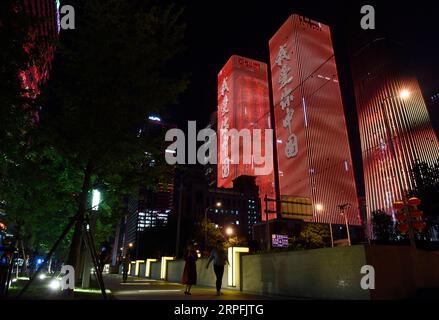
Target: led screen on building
[243,104]
[312,143]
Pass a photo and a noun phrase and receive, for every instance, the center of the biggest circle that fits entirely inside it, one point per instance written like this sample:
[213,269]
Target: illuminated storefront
[313,152]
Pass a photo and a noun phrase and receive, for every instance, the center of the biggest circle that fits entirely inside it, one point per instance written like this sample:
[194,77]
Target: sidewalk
[148,289]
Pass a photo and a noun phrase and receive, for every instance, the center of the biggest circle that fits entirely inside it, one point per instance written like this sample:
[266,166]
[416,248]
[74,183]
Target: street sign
[279,241]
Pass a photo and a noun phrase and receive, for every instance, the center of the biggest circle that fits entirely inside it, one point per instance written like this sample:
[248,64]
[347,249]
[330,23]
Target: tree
[426,178]
[382,225]
[28,185]
[109,74]
[312,236]
[213,233]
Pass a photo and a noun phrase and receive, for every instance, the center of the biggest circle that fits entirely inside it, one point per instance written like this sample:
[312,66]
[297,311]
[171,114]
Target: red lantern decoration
[403,228]
[416,213]
[419,225]
[398,205]
[414,201]
[400,217]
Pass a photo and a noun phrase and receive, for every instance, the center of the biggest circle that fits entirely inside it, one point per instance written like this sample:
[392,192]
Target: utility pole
[267,224]
[342,208]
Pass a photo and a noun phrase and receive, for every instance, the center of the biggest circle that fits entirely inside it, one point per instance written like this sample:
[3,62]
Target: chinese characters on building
[286,99]
[225,162]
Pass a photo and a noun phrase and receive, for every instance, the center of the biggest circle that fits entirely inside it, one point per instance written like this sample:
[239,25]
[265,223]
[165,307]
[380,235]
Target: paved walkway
[147,289]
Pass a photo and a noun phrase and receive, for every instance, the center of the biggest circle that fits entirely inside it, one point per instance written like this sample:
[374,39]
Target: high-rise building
[314,158]
[395,127]
[238,207]
[44,29]
[434,110]
[148,211]
[243,104]
[211,168]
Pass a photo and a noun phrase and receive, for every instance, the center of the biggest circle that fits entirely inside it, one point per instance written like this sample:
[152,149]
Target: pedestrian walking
[125,266]
[219,258]
[189,277]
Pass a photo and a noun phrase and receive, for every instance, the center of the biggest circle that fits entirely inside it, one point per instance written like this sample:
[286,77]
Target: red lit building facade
[243,103]
[44,17]
[313,151]
[395,128]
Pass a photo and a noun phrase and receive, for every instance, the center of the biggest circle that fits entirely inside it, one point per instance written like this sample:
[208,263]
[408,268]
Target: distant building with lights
[433,101]
[148,211]
[240,206]
[395,127]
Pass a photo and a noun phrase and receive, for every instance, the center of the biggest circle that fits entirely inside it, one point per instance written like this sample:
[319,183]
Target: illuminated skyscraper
[394,123]
[44,28]
[313,151]
[243,103]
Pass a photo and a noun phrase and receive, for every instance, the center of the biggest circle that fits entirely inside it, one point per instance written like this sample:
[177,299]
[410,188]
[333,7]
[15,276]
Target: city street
[287,151]
[147,289]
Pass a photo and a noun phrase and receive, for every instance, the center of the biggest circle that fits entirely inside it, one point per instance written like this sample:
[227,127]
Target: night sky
[218,29]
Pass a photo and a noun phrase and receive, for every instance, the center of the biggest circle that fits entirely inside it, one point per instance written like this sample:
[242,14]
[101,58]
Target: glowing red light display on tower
[313,152]
[243,104]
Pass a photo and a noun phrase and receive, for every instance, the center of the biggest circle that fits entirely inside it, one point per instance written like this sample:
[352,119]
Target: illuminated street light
[96,200]
[55,284]
[404,94]
[130,244]
[229,231]
[319,207]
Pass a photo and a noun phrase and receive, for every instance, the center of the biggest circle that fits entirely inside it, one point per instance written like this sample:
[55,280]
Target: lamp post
[342,208]
[217,205]
[88,263]
[319,208]
[403,95]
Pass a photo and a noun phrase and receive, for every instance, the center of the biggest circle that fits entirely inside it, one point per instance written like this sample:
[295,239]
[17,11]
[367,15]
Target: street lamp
[218,205]
[404,95]
[96,199]
[229,231]
[342,208]
[319,207]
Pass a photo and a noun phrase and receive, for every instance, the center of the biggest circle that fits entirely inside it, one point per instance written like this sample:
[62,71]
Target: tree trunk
[74,258]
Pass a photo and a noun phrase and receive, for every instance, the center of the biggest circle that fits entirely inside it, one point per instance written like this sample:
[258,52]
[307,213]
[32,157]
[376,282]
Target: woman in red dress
[189,277]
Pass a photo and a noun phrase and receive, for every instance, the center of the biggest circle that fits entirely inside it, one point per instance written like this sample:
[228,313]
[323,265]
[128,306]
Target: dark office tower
[394,123]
